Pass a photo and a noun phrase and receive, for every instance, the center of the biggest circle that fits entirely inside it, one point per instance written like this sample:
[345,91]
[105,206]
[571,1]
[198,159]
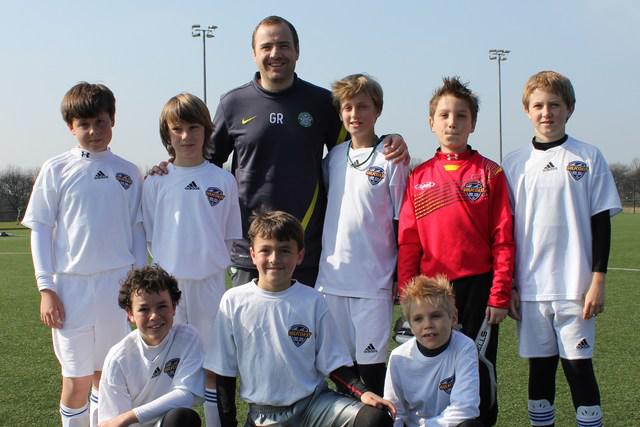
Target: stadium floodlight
[499,55]
[205,33]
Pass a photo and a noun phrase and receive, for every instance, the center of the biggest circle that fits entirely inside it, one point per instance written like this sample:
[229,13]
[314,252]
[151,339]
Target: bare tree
[15,187]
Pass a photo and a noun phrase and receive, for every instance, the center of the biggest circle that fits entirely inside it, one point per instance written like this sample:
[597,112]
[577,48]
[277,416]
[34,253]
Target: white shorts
[199,303]
[365,324]
[93,320]
[323,408]
[549,328]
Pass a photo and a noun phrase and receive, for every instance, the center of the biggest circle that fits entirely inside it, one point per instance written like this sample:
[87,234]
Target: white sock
[541,413]
[211,416]
[74,417]
[589,416]
[93,407]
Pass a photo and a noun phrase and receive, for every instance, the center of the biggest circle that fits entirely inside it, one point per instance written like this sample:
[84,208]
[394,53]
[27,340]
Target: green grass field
[30,376]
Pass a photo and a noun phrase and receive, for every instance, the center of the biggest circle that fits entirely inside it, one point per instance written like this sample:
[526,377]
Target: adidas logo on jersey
[583,344]
[192,186]
[101,175]
[156,372]
[370,349]
[550,167]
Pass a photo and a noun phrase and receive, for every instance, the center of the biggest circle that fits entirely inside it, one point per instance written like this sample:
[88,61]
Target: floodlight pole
[499,55]
[205,33]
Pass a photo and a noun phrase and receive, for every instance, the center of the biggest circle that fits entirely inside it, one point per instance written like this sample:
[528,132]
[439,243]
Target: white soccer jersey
[554,194]
[283,344]
[135,374]
[92,203]
[359,248]
[188,215]
[441,391]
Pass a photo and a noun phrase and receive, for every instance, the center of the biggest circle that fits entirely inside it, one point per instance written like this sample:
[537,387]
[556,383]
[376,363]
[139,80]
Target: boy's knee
[368,416]
[75,390]
[181,417]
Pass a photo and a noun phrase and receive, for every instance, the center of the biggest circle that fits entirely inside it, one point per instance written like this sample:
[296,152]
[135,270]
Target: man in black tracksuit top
[278,125]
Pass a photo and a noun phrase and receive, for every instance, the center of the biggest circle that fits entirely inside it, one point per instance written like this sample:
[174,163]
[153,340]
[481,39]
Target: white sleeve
[148,206]
[391,393]
[114,398]
[139,245]
[176,398]
[221,353]
[397,183]
[464,401]
[331,350]
[42,254]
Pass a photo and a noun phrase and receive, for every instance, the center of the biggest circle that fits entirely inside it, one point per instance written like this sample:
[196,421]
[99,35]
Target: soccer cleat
[402,331]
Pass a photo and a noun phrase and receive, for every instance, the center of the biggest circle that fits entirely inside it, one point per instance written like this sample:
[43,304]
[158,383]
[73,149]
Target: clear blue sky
[143,50]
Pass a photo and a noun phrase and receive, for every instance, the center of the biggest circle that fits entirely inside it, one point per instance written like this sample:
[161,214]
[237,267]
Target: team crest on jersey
[305,119]
[299,334]
[171,366]
[124,180]
[473,190]
[214,195]
[446,384]
[577,169]
[375,174]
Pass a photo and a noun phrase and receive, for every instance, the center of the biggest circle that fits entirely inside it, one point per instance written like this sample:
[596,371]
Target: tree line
[16,184]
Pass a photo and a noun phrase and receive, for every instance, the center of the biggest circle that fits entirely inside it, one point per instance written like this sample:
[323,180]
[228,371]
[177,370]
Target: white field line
[624,269]
[15,253]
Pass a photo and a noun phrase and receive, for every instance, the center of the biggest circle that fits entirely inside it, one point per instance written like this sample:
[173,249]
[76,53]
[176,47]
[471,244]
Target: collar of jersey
[455,156]
[274,94]
[92,156]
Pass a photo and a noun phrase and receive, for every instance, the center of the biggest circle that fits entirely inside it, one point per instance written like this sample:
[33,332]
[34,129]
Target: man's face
[275,55]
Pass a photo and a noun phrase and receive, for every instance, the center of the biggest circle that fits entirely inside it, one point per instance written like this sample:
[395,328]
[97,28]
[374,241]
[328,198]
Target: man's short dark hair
[276,20]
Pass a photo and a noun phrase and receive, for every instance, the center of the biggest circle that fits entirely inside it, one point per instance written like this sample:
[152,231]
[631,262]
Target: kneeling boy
[280,337]
[154,375]
[432,379]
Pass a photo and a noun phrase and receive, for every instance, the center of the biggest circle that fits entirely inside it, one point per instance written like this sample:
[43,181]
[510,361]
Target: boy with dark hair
[191,216]
[563,196]
[359,243]
[87,232]
[278,335]
[154,375]
[433,378]
[456,220]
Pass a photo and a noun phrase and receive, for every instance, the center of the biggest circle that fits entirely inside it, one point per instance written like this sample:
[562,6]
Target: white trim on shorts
[365,324]
[549,328]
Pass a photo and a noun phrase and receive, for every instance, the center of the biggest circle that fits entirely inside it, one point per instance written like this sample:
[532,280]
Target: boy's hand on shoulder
[396,149]
[372,399]
[594,299]
[51,309]
[496,315]
[514,305]
[160,168]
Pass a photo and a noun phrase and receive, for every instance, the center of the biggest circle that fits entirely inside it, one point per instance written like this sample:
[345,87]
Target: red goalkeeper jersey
[456,220]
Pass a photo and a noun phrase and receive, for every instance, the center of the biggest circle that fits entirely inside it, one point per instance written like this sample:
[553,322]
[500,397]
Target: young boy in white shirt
[191,217]
[154,375]
[563,197]
[433,378]
[279,336]
[359,248]
[86,234]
